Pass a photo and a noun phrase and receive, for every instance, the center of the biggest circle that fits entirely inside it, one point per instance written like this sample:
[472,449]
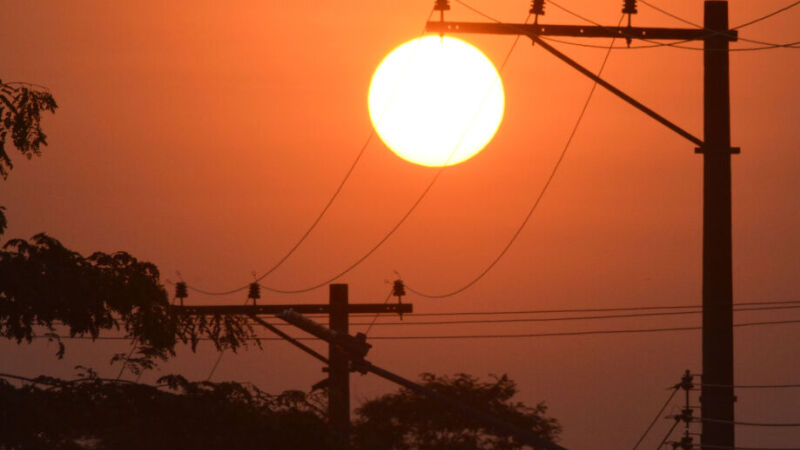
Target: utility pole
[355,348]
[717,398]
[339,376]
[338,309]
[717,341]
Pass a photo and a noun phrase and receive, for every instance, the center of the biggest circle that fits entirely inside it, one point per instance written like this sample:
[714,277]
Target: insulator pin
[181,292]
[255,292]
[441,5]
[399,289]
[537,7]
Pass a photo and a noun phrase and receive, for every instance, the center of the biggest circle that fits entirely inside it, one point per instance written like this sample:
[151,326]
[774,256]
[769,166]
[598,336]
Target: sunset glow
[436,101]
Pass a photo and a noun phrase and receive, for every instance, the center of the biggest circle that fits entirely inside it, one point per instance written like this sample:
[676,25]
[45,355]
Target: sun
[436,101]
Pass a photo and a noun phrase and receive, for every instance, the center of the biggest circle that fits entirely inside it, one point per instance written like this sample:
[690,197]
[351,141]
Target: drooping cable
[767,16]
[371,324]
[678,44]
[669,433]
[658,416]
[487,336]
[766,45]
[414,205]
[538,199]
[313,225]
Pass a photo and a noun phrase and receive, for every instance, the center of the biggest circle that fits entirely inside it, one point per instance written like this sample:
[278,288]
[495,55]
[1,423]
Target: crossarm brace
[291,340]
[636,104]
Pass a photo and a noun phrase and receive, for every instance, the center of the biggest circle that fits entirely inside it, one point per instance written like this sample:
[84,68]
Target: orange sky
[206,136]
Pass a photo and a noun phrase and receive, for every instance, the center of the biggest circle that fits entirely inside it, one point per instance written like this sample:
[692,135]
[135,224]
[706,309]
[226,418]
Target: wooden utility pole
[717,397]
[339,376]
[338,309]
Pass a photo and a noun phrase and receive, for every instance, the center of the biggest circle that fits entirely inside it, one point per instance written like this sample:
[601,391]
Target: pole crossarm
[352,308]
[535,36]
[593,31]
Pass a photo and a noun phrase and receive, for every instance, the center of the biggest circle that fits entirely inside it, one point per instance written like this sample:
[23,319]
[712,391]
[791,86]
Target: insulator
[686,443]
[180,290]
[399,288]
[629,7]
[685,416]
[441,5]
[255,291]
[537,7]
[686,383]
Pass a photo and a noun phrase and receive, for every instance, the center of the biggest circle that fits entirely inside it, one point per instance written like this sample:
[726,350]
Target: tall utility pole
[339,376]
[338,309]
[717,396]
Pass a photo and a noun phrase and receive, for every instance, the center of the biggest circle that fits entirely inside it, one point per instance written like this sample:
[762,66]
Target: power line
[484,336]
[765,45]
[722,447]
[669,433]
[310,229]
[538,199]
[371,324]
[753,386]
[655,419]
[749,424]
[572,318]
[689,22]
[410,210]
[767,16]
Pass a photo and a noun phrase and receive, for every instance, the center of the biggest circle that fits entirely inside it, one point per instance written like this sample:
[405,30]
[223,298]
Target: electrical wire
[371,324]
[413,207]
[487,336]
[751,386]
[678,44]
[655,419]
[313,224]
[767,16]
[545,319]
[611,309]
[221,353]
[669,433]
[714,32]
[748,424]
[122,369]
[538,199]
[722,447]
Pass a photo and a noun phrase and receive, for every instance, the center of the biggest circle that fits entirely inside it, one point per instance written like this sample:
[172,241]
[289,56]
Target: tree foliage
[406,420]
[47,289]
[93,413]
[21,105]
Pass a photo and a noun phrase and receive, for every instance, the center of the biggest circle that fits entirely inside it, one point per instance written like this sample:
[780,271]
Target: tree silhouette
[21,105]
[93,413]
[46,288]
[406,420]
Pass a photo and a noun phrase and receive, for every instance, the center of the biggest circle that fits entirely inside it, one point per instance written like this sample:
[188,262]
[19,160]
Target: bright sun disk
[436,101]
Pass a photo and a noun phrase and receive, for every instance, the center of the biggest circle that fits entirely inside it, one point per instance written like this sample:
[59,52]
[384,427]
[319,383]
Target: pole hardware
[356,346]
[399,290]
[254,292]
[537,9]
[181,292]
[717,398]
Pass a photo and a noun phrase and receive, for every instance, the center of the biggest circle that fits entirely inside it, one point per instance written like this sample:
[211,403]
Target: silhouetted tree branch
[21,105]
[46,288]
[406,420]
[94,413]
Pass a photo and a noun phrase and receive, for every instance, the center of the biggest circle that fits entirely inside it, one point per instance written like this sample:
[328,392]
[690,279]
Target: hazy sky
[206,137]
